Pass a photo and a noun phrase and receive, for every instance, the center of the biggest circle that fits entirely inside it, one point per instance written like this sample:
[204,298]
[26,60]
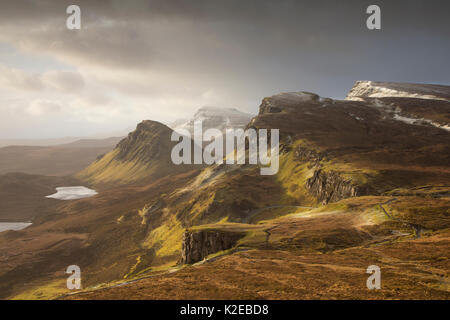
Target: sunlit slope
[358,143]
[145,153]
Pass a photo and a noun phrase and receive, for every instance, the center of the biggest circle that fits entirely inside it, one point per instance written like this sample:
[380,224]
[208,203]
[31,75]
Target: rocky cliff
[197,245]
[331,187]
[215,117]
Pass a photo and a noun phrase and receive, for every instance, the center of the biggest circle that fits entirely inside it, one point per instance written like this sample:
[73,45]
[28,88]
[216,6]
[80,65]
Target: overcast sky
[163,59]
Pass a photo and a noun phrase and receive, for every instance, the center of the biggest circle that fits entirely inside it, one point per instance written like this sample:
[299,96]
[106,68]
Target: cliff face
[197,245]
[214,117]
[331,187]
[326,186]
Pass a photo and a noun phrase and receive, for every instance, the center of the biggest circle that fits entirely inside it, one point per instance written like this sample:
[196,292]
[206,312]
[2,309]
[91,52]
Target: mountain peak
[144,153]
[215,117]
[150,125]
[145,142]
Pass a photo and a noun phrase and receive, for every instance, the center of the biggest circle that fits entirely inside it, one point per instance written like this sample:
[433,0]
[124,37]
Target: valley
[356,186]
[54,160]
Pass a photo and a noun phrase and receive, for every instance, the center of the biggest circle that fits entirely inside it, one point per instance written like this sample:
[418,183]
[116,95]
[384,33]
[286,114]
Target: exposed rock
[331,187]
[308,155]
[197,245]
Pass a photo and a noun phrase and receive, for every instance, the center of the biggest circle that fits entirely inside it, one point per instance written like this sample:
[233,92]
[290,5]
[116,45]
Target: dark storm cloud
[231,52]
[276,35]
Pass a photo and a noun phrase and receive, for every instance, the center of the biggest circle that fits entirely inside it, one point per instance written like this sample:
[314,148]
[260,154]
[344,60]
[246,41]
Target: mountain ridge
[215,117]
[355,185]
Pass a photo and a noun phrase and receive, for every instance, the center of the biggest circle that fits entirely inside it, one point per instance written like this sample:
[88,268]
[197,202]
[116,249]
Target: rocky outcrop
[144,154]
[331,187]
[198,244]
[313,157]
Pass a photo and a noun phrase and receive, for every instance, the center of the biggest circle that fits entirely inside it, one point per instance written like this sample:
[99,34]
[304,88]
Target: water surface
[72,193]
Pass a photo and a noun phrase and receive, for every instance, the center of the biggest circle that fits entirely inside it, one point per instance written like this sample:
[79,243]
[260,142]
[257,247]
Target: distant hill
[59,160]
[37,142]
[215,117]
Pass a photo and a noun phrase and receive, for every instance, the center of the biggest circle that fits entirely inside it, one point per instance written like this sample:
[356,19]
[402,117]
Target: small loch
[5,226]
[72,193]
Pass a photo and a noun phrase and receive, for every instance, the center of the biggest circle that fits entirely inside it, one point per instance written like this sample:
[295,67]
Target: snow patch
[373,89]
[419,121]
[356,117]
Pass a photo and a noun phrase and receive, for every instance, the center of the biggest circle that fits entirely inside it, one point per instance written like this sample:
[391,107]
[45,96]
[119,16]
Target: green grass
[166,239]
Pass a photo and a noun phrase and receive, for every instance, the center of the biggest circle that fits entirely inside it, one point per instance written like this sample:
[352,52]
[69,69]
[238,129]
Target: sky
[163,59]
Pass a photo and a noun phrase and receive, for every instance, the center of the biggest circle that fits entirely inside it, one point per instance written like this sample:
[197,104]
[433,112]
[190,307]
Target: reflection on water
[4,226]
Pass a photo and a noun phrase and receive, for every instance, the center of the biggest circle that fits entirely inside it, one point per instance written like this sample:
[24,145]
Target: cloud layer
[161,60]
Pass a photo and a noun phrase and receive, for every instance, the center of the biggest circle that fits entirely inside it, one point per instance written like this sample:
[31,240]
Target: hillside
[357,186]
[144,154]
[59,160]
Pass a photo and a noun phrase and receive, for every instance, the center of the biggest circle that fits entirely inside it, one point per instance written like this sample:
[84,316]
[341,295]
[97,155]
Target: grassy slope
[144,223]
[363,152]
[107,169]
[149,229]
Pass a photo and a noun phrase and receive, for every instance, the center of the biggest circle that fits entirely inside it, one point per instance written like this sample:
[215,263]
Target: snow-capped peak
[373,89]
[215,117]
